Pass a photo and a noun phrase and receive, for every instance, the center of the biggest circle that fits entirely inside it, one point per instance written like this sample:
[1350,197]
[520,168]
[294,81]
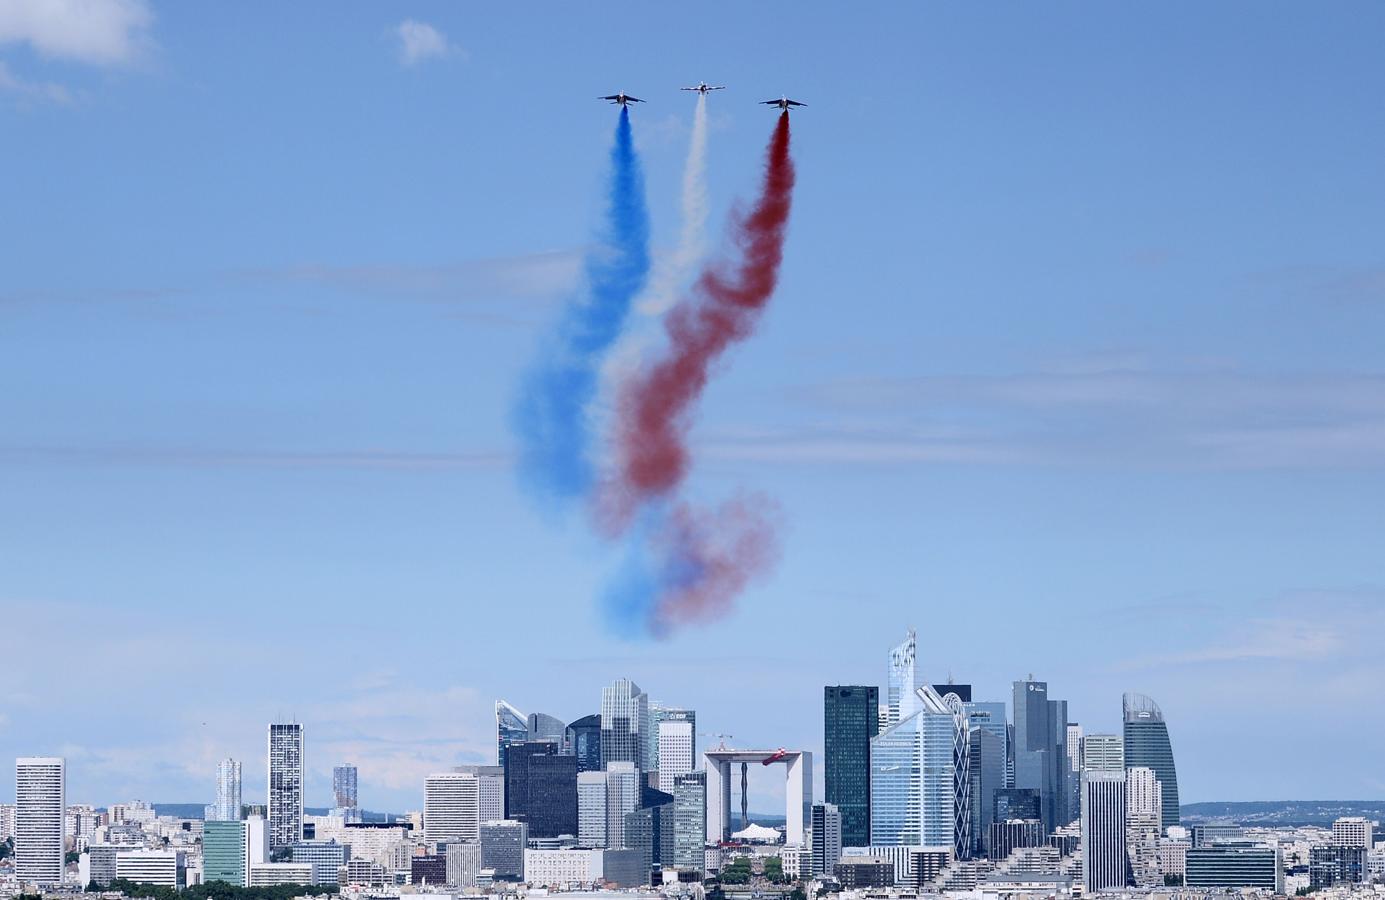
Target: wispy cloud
[419,42]
[533,276]
[33,91]
[126,455]
[1213,418]
[503,280]
[1298,627]
[97,32]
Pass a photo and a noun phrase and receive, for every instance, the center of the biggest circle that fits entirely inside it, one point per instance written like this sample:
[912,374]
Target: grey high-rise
[1040,753]
[851,717]
[285,784]
[1147,745]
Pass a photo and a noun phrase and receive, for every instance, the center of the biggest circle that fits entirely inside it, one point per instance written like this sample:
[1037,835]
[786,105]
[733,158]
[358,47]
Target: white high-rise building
[6,821]
[451,807]
[40,805]
[1143,795]
[624,724]
[676,745]
[228,800]
[1103,831]
[1103,753]
[1352,831]
[901,693]
[286,766]
[1144,804]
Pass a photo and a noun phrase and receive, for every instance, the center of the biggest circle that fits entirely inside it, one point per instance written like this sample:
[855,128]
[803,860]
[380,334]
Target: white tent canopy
[757,834]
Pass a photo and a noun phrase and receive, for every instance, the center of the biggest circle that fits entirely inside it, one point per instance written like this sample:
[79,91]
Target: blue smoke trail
[551,417]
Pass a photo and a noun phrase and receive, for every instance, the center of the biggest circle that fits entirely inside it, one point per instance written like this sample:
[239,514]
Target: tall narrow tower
[40,804]
[285,784]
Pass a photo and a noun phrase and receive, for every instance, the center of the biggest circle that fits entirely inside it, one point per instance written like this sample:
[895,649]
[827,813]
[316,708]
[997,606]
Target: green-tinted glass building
[223,852]
[1147,744]
[851,717]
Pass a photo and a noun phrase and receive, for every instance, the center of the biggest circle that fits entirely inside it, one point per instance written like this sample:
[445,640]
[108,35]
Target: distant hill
[195,811]
[1281,812]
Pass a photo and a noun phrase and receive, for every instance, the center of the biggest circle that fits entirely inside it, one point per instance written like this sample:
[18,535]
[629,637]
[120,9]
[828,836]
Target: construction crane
[720,737]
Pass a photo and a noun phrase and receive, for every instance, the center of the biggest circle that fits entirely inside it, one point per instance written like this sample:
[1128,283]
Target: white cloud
[419,41]
[32,90]
[99,32]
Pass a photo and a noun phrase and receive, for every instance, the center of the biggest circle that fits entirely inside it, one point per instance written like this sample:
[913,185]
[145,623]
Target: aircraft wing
[770,102]
[633,99]
[719,87]
[796,103]
[611,97]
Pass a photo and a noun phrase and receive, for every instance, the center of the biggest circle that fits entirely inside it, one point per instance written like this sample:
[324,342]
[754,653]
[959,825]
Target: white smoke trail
[673,270]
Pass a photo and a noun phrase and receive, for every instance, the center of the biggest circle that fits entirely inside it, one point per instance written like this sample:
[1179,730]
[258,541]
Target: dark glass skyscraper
[1147,744]
[584,742]
[541,788]
[851,717]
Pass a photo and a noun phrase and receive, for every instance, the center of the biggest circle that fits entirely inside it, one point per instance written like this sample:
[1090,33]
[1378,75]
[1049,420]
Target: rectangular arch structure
[798,789]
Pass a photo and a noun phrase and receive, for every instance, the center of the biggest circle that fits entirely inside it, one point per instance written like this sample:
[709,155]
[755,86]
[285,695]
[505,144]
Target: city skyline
[1075,354]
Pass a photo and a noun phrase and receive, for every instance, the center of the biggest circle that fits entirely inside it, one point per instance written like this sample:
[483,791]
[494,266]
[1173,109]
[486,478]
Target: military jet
[783,103]
[703,87]
[621,99]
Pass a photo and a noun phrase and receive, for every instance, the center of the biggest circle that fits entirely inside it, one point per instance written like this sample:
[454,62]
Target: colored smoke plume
[552,416]
[669,276]
[654,408]
[689,565]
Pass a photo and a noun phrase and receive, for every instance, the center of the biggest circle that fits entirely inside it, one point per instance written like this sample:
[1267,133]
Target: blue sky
[1073,367]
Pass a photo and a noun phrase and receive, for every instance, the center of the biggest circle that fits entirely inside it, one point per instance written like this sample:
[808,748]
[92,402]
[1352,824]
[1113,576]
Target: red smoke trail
[655,406]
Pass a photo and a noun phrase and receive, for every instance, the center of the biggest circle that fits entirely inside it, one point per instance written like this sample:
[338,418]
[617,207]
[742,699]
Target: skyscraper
[689,821]
[851,717]
[904,680]
[1147,744]
[1143,824]
[622,797]
[451,807]
[286,752]
[591,809]
[40,787]
[584,742]
[344,787]
[827,839]
[543,727]
[988,736]
[1103,831]
[541,788]
[1041,759]
[511,727]
[490,781]
[624,724]
[674,743]
[228,800]
[912,777]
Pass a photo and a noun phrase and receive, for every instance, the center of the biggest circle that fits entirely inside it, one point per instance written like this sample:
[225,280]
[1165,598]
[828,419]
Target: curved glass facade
[1147,744]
